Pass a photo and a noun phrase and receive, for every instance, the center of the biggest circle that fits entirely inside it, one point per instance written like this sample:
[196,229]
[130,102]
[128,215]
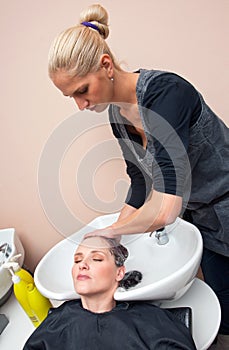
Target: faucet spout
[162,236]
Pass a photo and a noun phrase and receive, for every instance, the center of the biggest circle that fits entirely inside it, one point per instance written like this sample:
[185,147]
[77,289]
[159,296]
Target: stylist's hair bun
[131,279]
[78,49]
[97,15]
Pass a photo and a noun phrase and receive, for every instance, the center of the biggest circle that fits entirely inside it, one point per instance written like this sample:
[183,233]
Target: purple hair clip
[91,25]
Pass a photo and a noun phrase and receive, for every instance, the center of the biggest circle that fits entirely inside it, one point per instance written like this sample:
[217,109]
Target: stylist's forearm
[126,211]
[160,210]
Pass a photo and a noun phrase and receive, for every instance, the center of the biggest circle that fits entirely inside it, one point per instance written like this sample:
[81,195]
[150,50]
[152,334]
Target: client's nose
[83,265]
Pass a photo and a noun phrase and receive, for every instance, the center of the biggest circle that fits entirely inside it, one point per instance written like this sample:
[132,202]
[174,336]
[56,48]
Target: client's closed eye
[77,261]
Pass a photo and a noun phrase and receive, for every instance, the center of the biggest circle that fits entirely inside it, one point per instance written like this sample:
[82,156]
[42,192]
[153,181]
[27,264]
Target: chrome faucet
[161,236]
[5,251]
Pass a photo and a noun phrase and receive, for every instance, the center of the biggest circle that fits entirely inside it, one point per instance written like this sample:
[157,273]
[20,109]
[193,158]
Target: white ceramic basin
[168,270]
[11,245]
[206,313]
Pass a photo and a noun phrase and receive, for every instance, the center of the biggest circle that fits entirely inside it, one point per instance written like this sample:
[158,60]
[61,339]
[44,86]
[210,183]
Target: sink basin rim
[185,271]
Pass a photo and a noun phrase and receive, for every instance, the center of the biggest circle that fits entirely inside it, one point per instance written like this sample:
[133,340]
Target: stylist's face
[93,91]
[94,271]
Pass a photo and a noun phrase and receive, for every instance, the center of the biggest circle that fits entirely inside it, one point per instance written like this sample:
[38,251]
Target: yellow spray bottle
[33,303]
[20,291]
[39,304]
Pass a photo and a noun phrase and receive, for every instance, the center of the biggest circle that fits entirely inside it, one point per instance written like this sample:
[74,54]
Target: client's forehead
[94,243]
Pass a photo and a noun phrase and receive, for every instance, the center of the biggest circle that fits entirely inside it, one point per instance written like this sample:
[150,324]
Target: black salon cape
[134,325]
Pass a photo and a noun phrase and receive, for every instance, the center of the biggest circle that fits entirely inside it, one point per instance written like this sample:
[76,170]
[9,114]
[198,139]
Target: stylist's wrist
[114,234]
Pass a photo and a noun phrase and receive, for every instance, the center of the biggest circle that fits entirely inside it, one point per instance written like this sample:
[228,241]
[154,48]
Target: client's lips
[83,277]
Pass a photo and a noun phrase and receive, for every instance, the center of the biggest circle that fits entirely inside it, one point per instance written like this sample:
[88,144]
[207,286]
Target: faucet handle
[160,229]
[157,234]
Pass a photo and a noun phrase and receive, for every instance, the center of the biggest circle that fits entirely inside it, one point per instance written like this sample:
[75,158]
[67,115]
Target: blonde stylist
[176,149]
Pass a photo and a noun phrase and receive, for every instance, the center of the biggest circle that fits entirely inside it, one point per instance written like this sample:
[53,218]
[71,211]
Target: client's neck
[98,304]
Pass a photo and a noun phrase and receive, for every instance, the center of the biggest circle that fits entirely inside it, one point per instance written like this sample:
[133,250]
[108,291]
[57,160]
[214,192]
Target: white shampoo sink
[10,245]
[168,270]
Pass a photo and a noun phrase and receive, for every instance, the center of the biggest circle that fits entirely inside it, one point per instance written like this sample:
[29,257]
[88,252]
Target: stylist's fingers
[107,232]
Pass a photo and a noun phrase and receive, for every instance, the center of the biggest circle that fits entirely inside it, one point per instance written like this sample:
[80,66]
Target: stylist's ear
[107,63]
[120,273]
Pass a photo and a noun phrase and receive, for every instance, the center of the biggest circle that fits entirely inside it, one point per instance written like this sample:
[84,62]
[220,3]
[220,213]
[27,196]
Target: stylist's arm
[161,209]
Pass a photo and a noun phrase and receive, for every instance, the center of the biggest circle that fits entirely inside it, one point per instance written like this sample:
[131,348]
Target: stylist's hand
[104,232]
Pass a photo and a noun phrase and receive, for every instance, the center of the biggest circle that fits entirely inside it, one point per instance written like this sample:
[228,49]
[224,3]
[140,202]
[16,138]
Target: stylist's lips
[82,277]
[98,108]
[92,108]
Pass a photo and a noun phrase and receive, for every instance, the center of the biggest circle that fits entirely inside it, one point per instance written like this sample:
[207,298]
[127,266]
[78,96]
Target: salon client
[97,321]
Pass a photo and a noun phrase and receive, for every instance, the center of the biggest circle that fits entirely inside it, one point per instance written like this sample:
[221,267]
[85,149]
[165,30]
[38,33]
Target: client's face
[94,271]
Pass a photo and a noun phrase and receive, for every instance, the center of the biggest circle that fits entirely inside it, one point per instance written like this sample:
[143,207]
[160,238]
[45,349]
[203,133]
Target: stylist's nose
[81,103]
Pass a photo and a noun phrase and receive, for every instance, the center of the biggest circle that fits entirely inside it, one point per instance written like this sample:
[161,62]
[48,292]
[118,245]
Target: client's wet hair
[120,253]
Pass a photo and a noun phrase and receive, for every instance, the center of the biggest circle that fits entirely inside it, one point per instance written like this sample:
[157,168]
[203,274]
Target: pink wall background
[187,37]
